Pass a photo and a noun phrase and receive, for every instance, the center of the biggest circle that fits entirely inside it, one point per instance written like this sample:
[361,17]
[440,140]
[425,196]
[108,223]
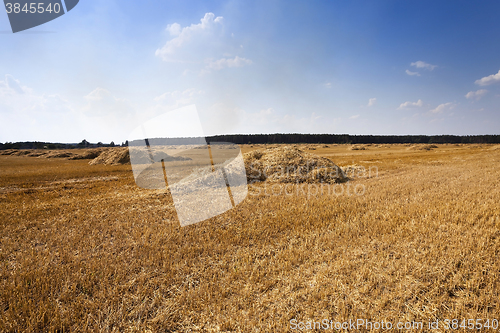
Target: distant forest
[351,139]
[277,138]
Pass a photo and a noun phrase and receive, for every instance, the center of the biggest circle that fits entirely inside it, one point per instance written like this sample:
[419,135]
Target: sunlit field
[83,249]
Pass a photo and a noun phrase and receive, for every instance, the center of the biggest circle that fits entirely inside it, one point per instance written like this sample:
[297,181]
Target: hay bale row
[68,154]
[8,151]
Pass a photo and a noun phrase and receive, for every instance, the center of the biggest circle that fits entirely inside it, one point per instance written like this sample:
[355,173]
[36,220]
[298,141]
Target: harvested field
[83,249]
[72,154]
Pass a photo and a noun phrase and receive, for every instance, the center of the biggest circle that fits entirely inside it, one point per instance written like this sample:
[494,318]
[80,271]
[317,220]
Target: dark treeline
[50,145]
[351,139]
[273,138]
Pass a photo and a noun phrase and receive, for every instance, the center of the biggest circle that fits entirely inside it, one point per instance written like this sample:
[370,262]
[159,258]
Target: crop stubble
[83,249]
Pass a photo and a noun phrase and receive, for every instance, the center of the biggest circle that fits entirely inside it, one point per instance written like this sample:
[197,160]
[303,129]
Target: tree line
[49,145]
[274,139]
[351,139]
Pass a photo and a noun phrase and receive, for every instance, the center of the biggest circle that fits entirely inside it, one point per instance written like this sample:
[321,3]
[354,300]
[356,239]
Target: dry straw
[422,147]
[358,147]
[291,165]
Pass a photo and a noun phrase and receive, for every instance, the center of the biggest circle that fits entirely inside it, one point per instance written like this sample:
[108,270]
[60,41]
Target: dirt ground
[413,237]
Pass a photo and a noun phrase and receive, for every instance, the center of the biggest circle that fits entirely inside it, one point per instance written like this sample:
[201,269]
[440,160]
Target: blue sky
[357,67]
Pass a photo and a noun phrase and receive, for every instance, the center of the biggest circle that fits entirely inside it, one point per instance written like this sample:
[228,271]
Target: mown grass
[83,249]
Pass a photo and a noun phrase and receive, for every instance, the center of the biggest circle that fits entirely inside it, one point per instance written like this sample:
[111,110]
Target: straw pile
[121,155]
[290,165]
[57,154]
[422,147]
[89,154]
[21,152]
[7,151]
[112,156]
[358,147]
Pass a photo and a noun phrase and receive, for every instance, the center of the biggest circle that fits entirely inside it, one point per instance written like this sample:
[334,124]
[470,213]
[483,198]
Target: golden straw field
[83,249]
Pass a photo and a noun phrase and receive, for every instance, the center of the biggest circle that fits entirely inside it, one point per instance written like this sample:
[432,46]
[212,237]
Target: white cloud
[101,102]
[328,85]
[354,117]
[174,29]
[487,80]
[14,97]
[98,94]
[477,95]
[372,101]
[11,87]
[421,64]
[227,63]
[28,115]
[176,99]
[194,37]
[407,105]
[443,107]
[412,73]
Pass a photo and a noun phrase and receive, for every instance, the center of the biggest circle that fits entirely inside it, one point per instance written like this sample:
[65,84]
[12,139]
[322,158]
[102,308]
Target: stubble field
[83,249]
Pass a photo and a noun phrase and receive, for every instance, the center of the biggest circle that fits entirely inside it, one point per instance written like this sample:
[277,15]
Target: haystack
[358,147]
[112,156]
[290,165]
[89,154]
[57,154]
[37,153]
[121,155]
[422,147]
[7,152]
[22,152]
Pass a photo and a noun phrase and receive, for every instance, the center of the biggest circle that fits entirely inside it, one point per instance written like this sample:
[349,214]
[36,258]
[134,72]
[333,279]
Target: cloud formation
[372,101]
[407,105]
[412,73]
[476,95]
[189,37]
[102,103]
[176,99]
[422,64]
[443,107]
[228,62]
[487,80]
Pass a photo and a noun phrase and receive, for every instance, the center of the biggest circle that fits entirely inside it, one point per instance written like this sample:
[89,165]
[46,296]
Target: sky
[380,67]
